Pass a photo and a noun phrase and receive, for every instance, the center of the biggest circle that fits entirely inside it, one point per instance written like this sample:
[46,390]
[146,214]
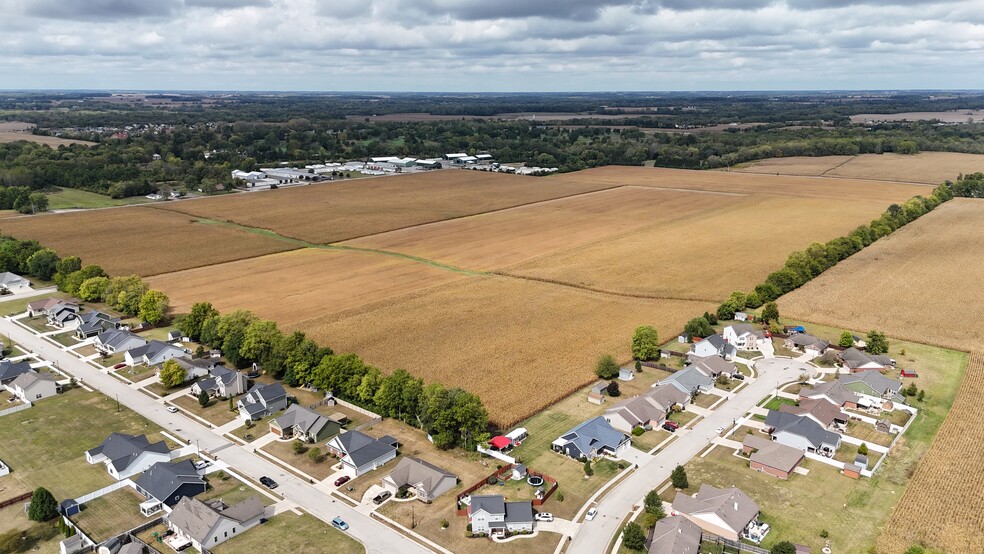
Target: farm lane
[594,536]
[376,537]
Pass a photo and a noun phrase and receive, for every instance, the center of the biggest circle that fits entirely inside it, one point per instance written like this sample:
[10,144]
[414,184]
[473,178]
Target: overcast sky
[491,45]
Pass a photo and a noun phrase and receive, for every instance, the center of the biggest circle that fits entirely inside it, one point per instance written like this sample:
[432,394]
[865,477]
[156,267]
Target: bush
[636,431]
[588,470]
[607,367]
[559,496]
[638,366]
[468,528]
[203,399]
[315,455]
[613,389]
[921,396]
[43,505]
[633,538]
[679,478]
[824,534]
[784,547]
[863,449]
[298,447]
[445,524]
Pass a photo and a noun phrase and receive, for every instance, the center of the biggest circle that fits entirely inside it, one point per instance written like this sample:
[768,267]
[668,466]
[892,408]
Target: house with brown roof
[771,457]
[426,480]
[675,535]
[728,513]
[821,410]
[204,525]
[635,412]
[712,366]
[833,392]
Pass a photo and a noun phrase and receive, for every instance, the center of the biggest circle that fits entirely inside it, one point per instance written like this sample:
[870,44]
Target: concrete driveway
[785,369]
[633,455]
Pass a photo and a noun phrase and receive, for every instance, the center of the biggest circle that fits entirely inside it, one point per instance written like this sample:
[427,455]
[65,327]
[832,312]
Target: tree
[612,389]
[232,405]
[259,339]
[191,325]
[172,374]
[698,327]
[74,280]
[770,312]
[154,306]
[124,293]
[753,300]
[846,339]
[638,366]
[298,447]
[645,343]
[633,538]
[94,289]
[679,478]
[921,396]
[203,399]
[42,264]
[784,547]
[69,265]
[43,505]
[588,470]
[654,504]
[231,330]
[315,455]
[876,343]
[607,367]
[863,449]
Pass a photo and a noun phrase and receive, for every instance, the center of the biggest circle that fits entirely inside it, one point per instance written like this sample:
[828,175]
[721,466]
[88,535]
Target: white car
[591,514]
[172,409]
[720,430]
[202,464]
[543,516]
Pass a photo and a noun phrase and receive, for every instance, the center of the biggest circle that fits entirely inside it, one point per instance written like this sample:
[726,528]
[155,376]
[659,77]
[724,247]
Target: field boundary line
[635,295]
[851,159]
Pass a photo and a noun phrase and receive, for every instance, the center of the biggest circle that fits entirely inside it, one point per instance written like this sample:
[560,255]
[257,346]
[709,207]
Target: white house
[13,282]
[207,525]
[153,353]
[728,513]
[127,455]
[744,336]
[492,515]
[714,345]
[33,386]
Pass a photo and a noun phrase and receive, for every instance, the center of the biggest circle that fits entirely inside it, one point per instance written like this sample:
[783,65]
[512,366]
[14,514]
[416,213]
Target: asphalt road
[375,536]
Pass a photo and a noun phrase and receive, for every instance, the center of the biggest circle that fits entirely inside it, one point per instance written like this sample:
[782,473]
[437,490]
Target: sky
[491,45]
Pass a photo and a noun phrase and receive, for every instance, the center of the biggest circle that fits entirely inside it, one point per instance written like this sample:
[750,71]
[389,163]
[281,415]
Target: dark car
[342,480]
[381,497]
[670,426]
[738,376]
[268,483]
[120,365]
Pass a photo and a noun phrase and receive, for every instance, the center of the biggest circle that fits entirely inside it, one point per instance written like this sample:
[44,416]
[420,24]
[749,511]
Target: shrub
[588,470]
[921,396]
[863,449]
[784,547]
[468,528]
[613,389]
[559,496]
[444,524]
[315,455]
[43,505]
[679,478]
[638,431]
[824,534]
[633,538]
[298,447]
[638,366]
[203,399]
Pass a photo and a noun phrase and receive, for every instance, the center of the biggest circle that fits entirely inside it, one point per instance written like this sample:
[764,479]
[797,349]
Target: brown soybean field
[926,167]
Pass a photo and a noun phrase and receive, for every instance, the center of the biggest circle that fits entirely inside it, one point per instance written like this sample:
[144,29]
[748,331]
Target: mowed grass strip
[521,345]
[140,240]
[336,211]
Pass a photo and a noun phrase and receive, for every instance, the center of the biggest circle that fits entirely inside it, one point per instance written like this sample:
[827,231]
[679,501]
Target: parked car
[120,365]
[342,480]
[719,430]
[591,514]
[672,424]
[202,464]
[381,497]
[543,516]
[339,523]
[670,428]
[738,376]
[172,409]
[268,483]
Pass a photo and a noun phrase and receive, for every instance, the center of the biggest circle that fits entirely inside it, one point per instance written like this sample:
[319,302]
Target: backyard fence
[496,454]
[104,491]
[332,400]
[506,469]
[728,545]
[369,423]
[663,367]
[86,540]
[15,409]
[15,500]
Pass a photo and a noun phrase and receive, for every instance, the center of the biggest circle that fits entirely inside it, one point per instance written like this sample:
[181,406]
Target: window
[226,534]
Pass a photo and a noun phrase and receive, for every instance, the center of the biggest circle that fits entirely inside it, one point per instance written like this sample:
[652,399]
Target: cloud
[94,10]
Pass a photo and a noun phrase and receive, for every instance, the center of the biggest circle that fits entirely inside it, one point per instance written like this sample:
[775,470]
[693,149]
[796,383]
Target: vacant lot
[704,256]
[511,236]
[916,284]
[519,344]
[308,283]
[330,212]
[926,167]
[292,533]
[141,240]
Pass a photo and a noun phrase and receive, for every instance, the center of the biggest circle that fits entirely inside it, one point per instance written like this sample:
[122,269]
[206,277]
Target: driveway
[635,456]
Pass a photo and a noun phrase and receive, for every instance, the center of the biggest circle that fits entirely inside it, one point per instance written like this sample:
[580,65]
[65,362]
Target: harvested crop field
[13,131]
[773,185]
[520,345]
[331,212]
[926,167]
[942,507]
[300,284]
[515,235]
[919,283]
[139,240]
[704,256]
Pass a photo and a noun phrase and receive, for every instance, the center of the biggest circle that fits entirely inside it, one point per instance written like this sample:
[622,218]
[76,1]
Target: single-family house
[833,392]
[712,366]
[492,515]
[32,386]
[169,482]
[361,453]
[714,345]
[94,322]
[11,370]
[728,513]
[771,457]
[427,480]
[222,381]
[640,411]
[262,400]
[62,314]
[153,353]
[597,393]
[873,388]
[114,341]
[821,410]
[196,368]
[304,424]
[592,439]
[690,380]
[675,535]
[856,360]
[744,336]
[48,306]
[127,455]
[667,396]
[205,526]
[807,343]
[802,433]
[13,282]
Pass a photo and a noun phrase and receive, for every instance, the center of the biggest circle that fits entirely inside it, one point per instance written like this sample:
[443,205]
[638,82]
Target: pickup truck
[908,373]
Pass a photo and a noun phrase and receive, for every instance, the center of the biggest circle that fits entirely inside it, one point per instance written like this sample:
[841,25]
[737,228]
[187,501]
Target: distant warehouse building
[404,162]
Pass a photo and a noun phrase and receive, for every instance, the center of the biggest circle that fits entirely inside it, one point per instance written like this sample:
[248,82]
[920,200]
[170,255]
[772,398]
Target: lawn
[848,453]
[85,351]
[706,400]
[217,410]
[284,450]
[111,514]
[161,390]
[19,305]
[136,373]
[256,430]
[65,339]
[230,490]
[13,517]
[292,533]
[61,429]
[38,324]
[868,433]
[74,198]
[776,402]
[650,439]
[354,418]
[682,418]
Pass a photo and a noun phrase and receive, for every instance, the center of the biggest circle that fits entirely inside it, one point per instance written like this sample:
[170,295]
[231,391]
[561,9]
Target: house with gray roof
[492,515]
[93,322]
[11,370]
[802,433]
[32,386]
[821,410]
[639,411]
[262,400]
[154,353]
[13,282]
[744,336]
[205,526]
[807,343]
[714,345]
[169,482]
[127,455]
[222,381]
[667,396]
[675,535]
[114,341]
[728,513]
[833,392]
[63,314]
[873,388]
[361,453]
[712,366]
[690,381]
[592,439]
[304,424]
[426,479]
[857,361]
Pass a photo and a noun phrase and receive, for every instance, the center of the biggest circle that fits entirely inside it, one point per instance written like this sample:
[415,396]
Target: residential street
[375,536]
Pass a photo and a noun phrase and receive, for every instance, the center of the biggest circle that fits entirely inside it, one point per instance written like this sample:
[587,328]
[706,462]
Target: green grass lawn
[284,451]
[65,339]
[259,428]
[136,373]
[38,324]
[217,410]
[682,418]
[59,431]
[705,400]
[776,402]
[67,198]
[230,490]
[292,533]
[111,514]
[19,305]
[650,439]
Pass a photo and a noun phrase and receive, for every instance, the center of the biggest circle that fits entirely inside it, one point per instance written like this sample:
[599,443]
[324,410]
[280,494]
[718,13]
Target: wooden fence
[15,500]
[505,469]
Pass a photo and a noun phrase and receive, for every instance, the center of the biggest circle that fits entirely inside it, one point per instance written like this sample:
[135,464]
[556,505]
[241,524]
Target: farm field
[926,167]
[506,237]
[320,281]
[741,248]
[13,131]
[67,198]
[141,240]
[336,211]
[897,285]
[950,116]
[521,345]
